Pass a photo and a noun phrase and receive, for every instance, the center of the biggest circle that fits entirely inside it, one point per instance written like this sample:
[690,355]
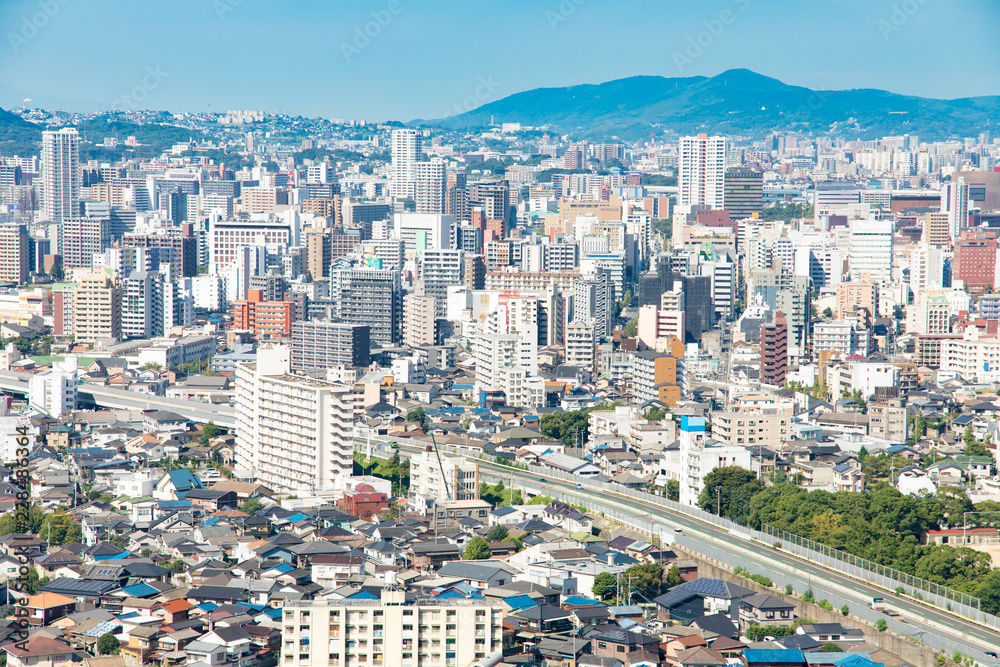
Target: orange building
[266,319]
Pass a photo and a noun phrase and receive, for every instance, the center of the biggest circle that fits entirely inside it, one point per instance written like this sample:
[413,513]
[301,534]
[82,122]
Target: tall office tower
[937,230]
[871,249]
[82,238]
[424,231]
[14,254]
[419,317]
[701,171]
[469,239]
[743,192]
[407,149]
[457,197]
[926,268]
[474,275]
[431,187]
[320,345]
[774,351]
[976,258]
[61,174]
[372,297]
[95,310]
[292,432]
[955,202]
[183,243]
[593,299]
[494,197]
[439,270]
[147,305]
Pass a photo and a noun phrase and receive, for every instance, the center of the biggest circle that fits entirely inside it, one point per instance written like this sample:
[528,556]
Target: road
[936,628]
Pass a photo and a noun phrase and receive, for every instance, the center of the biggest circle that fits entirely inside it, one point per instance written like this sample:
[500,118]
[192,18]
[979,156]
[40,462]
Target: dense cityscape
[279,391]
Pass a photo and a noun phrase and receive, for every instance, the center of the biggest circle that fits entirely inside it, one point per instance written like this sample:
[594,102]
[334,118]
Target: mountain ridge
[738,101]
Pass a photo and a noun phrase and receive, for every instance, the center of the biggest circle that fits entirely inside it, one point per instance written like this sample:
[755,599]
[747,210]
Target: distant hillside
[735,102]
[18,136]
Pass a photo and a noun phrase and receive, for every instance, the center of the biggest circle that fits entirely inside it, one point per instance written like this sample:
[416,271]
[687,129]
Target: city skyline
[186,58]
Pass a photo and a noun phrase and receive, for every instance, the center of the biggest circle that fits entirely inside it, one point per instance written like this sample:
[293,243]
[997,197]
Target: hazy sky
[429,58]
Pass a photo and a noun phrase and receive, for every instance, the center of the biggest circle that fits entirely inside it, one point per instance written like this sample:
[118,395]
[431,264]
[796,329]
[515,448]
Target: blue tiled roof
[581,601]
[183,478]
[362,595]
[123,554]
[754,656]
[208,606]
[102,628]
[140,590]
[517,602]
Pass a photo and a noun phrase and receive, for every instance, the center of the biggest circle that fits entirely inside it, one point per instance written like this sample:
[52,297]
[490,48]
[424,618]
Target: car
[678,530]
[992,654]
[542,480]
[579,486]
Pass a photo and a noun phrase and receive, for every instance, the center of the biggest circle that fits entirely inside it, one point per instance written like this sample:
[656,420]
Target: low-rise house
[766,610]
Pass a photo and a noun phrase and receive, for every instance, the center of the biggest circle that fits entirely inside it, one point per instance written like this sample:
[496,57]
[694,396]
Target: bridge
[121,399]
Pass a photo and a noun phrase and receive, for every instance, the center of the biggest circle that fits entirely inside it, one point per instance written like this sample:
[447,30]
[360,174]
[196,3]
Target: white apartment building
[580,341]
[407,149]
[61,175]
[294,433]
[391,632]
[846,337]
[451,477]
[424,231]
[701,171]
[975,357]
[226,237]
[656,326]
[505,362]
[54,391]
[871,249]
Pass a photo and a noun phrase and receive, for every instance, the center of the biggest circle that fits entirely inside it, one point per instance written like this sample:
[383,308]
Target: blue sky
[428,58]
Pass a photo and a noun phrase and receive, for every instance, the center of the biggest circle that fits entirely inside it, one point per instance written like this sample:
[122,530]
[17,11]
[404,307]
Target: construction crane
[444,478]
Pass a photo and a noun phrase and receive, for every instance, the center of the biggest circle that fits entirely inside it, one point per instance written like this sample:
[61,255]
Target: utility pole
[718,501]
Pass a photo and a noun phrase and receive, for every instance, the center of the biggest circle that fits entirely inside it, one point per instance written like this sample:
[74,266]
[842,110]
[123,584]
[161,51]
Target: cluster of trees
[787,212]
[645,581]
[499,496]
[56,527]
[564,426]
[31,345]
[817,390]
[393,469]
[881,525]
[418,416]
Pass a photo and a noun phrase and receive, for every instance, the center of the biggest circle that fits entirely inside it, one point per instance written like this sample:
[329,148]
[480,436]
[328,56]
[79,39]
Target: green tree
[988,592]
[729,490]
[176,565]
[604,586]
[108,644]
[881,625]
[673,490]
[419,416]
[655,414]
[477,549]
[827,313]
[566,426]
[497,534]
[830,647]
[845,610]
[644,579]
[632,328]
[251,505]
[972,446]
[209,431]
[673,576]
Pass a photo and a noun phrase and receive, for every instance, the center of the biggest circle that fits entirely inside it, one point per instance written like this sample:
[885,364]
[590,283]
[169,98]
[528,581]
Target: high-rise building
[183,243]
[457,197]
[396,630]
[955,202]
[444,477]
[419,317]
[494,197]
[656,376]
[743,192]
[147,305]
[96,309]
[61,174]
[937,229]
[593,299]
[424,231]
[430,187]
[701,171]
[372,297]
[407,151]
[13,253]
[266,319]
[319,345]
[439,270]
[774,351]
[976,258]
[871,249]
[294,433]
[82,238]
